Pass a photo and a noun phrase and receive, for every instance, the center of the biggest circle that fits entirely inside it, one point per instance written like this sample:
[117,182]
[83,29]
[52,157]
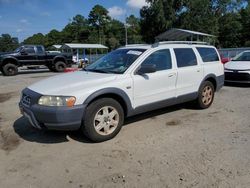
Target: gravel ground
[173,147]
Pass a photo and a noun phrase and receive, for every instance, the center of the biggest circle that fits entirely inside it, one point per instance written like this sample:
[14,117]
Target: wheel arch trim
[111,91]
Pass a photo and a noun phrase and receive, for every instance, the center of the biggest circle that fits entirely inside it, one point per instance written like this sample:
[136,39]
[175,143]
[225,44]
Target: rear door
[157,86]
[41,55]
[190,72]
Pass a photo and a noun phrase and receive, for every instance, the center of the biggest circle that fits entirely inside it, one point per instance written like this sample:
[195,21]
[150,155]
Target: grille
[237,76]
[26,100]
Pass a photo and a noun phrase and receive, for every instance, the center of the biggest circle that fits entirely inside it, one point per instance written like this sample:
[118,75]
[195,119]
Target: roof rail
[132,45]
[178,42]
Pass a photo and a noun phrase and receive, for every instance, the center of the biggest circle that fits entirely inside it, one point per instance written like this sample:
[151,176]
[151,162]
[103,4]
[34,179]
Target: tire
[205,95]
[99,129]
[60,66]
[1,70]
[51,68]
[10,69]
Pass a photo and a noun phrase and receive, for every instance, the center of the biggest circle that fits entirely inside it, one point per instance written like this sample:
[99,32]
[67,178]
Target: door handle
[198,70]
[171,75]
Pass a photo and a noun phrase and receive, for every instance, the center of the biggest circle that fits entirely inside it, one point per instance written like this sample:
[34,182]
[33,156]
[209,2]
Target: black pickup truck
[29,55]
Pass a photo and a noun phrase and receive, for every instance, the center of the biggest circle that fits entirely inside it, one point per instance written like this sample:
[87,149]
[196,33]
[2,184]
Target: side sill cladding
[112,91]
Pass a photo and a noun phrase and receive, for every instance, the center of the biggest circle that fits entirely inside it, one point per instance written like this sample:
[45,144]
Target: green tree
[160,16]
[115,32]
[98,19]
[230,30]
[245,20]
[53,37]
[38,38]
[8,43]
[134,30]
[199,16]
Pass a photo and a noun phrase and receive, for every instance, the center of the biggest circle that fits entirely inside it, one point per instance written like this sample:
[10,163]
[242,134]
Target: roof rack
[134,45]
[178,42]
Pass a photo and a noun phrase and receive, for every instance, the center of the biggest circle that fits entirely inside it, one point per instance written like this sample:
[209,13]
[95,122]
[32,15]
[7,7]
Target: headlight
[57,101]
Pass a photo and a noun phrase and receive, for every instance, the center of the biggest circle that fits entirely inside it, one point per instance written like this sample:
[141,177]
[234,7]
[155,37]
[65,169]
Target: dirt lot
[173,147]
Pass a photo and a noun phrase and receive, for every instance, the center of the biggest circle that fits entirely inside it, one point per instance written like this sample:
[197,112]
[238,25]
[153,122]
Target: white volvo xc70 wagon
[128,81]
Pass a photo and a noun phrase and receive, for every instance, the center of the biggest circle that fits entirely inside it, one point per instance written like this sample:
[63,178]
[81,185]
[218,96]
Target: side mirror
[144,69]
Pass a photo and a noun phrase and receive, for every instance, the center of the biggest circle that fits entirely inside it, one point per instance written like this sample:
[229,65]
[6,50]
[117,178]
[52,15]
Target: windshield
[244,56]
[116,62]
[18,50]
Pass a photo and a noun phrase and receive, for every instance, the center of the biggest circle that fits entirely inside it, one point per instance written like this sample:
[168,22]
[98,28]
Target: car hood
[238,65]
[68,83]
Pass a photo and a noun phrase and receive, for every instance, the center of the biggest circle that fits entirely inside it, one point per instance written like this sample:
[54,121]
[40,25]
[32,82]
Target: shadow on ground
[23,128]
[30,71]
[27,132]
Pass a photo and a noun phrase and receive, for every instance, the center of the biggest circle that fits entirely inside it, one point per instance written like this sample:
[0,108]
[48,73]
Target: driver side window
[161,59]
[29,50]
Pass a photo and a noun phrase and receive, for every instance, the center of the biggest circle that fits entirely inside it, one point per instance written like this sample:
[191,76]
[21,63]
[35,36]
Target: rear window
[185,57]
[208,54]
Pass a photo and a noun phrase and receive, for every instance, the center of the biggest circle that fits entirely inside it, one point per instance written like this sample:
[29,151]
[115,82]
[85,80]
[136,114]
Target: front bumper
[237,77]
[52,118]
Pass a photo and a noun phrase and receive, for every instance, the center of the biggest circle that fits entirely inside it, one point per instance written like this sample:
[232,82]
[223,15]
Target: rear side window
[208,54]
[39,50]
[185,57]
[161,59]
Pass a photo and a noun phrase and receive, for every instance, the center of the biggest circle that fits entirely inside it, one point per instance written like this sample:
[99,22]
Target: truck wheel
[51,68]
[10,69]
[1,70]
[103,120]
[60,66]
[205,95]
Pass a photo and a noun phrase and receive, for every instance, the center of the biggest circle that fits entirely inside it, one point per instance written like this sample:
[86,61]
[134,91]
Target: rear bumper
[53,118]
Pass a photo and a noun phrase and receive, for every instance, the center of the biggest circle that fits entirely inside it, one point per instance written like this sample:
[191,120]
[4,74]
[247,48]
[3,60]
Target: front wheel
[10,69]
[103,120]
[206,95]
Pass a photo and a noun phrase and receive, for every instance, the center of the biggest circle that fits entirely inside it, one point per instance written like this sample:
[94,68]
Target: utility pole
[126,32]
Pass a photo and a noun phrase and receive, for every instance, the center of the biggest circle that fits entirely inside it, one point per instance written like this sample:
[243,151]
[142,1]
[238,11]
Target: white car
[128,81]
[238,69]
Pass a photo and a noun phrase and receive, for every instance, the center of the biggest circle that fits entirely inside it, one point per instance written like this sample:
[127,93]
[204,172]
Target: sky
[23,18]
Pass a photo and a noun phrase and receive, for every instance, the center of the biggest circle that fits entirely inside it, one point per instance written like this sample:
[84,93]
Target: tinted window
[208,54]
[245,56]
[161,59]
[185,57]
[29,50]
[39,50]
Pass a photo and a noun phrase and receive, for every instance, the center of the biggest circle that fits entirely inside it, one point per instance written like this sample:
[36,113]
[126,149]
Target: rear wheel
[103,120]
[60,66]
[206,95]
[10,69]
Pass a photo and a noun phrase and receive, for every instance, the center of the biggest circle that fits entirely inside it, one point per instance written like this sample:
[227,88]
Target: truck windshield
[116,62]
[18,50]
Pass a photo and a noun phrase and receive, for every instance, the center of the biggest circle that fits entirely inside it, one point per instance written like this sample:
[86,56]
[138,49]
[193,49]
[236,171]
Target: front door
[158,86]
[28,56]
